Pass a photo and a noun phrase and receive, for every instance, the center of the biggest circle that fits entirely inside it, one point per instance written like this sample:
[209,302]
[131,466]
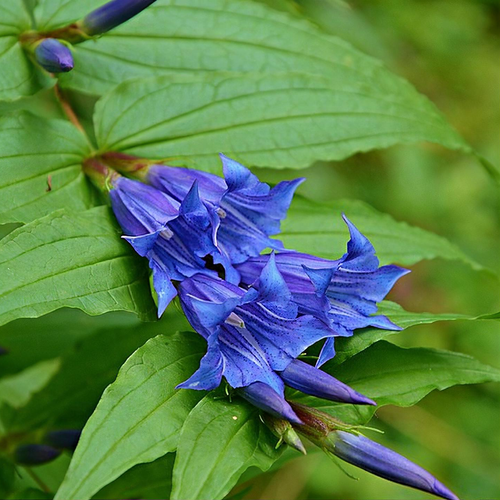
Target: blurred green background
[450,51]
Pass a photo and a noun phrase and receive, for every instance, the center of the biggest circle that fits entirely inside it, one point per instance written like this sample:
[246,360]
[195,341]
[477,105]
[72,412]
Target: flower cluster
[203,236]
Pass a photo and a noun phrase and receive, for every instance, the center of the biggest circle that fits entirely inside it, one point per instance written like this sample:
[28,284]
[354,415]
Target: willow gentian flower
[53,56]
[177,238]
[248,211]
[342,292]
[111,15]
[254,337]
[346,443]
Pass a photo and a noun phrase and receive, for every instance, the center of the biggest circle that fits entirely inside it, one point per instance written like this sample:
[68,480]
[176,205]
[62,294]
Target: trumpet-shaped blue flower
[178,238]
[343,292]
[254,337]
[248,211]
[381,461]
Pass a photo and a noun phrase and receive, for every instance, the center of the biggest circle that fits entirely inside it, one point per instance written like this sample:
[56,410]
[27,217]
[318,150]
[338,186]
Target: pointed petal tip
[442,491]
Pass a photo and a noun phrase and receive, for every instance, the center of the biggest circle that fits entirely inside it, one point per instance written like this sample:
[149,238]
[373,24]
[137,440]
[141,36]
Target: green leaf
[50,14]
[37,153]
[218,442]
[317,228]
[280,120]
[139,416]
[13,18]
[347,347]
[146,481]
[398,376]
[18,389]
[75,261]
[19,77]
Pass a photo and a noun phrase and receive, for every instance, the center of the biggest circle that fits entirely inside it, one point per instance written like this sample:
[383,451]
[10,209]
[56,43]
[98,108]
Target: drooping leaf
[218,442]
[317,228]
[40,161]
[17,390]
[280,120]
[139,416]
[69,260]
[394,375]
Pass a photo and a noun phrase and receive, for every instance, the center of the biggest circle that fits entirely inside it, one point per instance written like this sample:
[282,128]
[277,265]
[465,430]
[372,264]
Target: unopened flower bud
[3,350]
[264,397]
[284,431]
[66,439]
[53,56]
[111,15]
[343,441]
[311,380]
[381,461]
[35,454]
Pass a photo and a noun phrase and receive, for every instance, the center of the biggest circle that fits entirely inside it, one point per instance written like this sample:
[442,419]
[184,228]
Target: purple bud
[66,438]
[112,14]
[283,430]
[3,350]
[264,397]
[35,454]
[311,380]
[375,458]
[54,56]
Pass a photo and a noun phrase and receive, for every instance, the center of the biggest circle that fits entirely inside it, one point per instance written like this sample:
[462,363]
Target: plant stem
[37,480]
[69,112]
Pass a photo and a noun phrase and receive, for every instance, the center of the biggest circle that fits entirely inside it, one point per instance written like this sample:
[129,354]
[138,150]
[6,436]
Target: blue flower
[179,239]
[342,292]
[53,56]
[381,461]
[345,442]
[254,337]
[112,14]
[248,211]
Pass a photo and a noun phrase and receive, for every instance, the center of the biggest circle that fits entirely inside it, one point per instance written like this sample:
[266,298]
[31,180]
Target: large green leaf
[18,76]
[398,376]
[14,18]
[64,260]
[280,120]
[218,442]
[139,416]
[317,228]
[50,14]
[37,153]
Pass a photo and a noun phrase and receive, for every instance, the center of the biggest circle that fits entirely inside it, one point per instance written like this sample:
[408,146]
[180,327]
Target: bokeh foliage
[447,49]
